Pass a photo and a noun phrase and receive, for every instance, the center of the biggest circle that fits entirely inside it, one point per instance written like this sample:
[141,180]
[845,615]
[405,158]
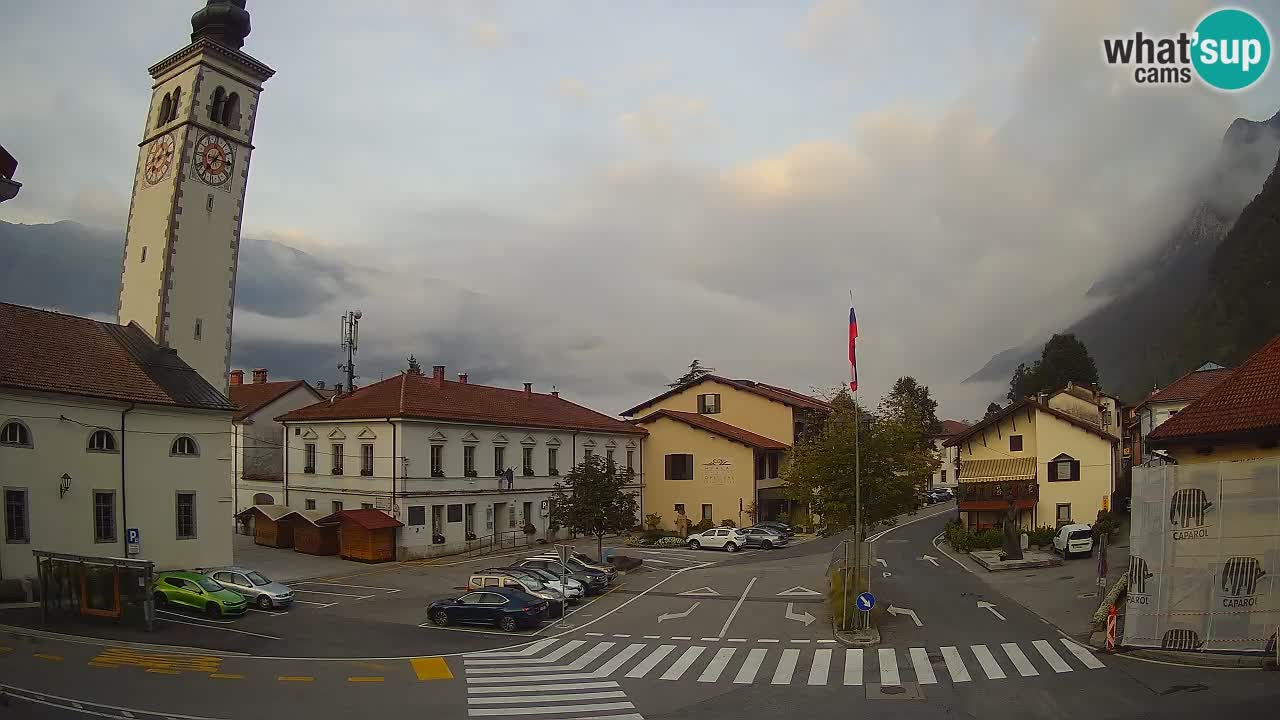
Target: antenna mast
[349,337]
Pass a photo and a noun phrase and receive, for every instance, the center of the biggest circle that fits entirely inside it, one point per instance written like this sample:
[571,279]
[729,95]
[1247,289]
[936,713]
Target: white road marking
[988,662]
[580,664]
[676,670]
[737,639]
[326,592]
[821,666]
[825,641]
[317,604]
[853,666]
[362,587]
[550,657]
[725,629]
[882,533]
[533,649]
[621,635]
[681,637]
[798,590]
[530,678]
[955,664]
[1020,661]
[750,666]
[660,562]
[617,661]
[801,642]
[549,709]
[652,637]
[786,666]
[650,662]
[710,639]
[889,667]
[203,620]
[711,672]
[594,634]
[922,667]
[1082,654]
[767,640]
[1051,656]
[561,686]
[703,591]
[225,629]
[553,697]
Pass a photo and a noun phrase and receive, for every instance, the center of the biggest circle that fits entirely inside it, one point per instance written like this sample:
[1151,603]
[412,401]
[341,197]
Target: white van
[1072,539]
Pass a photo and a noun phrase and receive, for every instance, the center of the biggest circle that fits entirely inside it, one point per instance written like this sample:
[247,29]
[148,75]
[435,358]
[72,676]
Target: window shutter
[668,459]
[1075,469]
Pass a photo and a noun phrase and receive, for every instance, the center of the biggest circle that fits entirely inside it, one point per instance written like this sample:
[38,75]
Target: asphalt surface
[696,635]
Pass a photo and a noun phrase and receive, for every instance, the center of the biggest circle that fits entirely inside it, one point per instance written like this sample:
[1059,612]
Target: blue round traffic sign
[866,601]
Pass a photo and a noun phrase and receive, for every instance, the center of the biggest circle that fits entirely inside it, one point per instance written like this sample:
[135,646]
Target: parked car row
[522,594]
[765,535]
[937,495]
[219,592]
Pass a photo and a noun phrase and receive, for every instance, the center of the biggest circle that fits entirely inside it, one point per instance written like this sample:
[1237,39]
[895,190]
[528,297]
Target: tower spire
[225,22]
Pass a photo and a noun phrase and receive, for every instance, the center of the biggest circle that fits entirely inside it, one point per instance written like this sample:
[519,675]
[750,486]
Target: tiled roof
[1191,386]
[365,518]
[722,429]
[253,397]
[314,517]
[1029,402]
[271,512]
[1247,401]
[952,427]
[772,392]
[411,395]
[1023,468]
[47,351]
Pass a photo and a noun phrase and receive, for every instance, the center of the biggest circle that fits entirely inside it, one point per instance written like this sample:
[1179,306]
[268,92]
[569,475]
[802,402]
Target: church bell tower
[183,238]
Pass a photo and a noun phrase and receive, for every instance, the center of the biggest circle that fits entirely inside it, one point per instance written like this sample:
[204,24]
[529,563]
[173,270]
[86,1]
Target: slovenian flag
[853,362]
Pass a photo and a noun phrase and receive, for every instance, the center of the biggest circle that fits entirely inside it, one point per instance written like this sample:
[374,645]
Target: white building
[430,451]
[1170,400]
[947,474]
[257,449]
[102,430]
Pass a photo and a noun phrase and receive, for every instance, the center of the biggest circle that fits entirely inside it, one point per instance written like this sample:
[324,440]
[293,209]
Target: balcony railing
[987,491]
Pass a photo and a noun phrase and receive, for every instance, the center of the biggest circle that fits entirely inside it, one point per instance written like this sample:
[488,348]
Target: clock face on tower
[159,158]
[214,160]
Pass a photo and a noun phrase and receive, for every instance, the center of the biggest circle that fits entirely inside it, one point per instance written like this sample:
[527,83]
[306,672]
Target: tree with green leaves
[992,410]
[909,404]
[821,471]
[695,371]
[593,500]
[1064,359]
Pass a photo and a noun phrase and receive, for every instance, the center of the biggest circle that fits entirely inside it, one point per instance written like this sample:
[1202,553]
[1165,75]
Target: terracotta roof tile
[772,392]
[723,429]
[952,427]
[253,397]
[48,351]
[1065,417]
[1191,386]
[1247,401]
[411,395]
[364,517]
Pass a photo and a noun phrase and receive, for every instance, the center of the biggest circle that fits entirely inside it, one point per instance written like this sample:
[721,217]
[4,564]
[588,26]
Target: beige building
[101,431]
[183,238]
[1048,455]
[432,453]
[257,438]
[948,473]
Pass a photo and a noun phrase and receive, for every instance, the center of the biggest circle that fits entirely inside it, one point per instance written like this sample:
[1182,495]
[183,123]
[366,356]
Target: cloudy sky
[591,194]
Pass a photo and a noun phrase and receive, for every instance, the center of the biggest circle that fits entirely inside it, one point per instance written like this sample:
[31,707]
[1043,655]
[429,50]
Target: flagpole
[857,489]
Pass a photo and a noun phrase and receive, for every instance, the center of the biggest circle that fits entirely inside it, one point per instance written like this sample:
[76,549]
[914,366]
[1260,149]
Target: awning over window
[1023,468]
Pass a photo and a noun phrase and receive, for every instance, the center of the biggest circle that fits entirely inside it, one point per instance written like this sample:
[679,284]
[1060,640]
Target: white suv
[731,539]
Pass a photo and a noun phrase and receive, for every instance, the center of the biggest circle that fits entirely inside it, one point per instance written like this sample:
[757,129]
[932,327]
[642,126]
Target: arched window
[263,499]
[215,107]
[177,102]
[165,105]
[102,441]
[231,111]
[184,446]
[15,434]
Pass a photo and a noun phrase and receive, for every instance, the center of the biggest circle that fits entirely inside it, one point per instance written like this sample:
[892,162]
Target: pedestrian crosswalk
[566,677]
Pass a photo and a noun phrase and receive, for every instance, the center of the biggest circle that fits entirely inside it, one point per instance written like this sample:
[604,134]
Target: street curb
[105,642]
[870,639]
[1197,659]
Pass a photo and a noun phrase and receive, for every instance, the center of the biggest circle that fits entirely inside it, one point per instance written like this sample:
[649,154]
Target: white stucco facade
[144,492]
[947,474]
[257,448]
[440,511]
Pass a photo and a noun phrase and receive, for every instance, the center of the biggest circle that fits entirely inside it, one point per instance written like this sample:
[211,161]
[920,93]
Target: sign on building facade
[1204,557]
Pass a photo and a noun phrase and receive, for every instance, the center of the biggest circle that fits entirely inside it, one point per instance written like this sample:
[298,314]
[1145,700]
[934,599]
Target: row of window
[337,456]
[224,108]
[15,433]
[418,514]
[17,516]
[707,514]
[679,466]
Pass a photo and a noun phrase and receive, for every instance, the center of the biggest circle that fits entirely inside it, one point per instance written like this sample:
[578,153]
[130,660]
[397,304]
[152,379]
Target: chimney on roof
[259,376]
[528,389]
[437,373]
[462,378]
[237,377]
[555,393]
[337,388]
[319,384]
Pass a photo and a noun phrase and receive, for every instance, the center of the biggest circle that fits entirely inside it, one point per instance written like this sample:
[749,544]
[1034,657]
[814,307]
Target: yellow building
[715,447]
[1239,419]
[1048,455]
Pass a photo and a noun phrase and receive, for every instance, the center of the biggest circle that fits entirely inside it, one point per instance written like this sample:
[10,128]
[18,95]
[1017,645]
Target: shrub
[1107,522]
[529,529]
[669,541]
[728,523]
[653,521]
[702,526]
[1042,535]
[638,541]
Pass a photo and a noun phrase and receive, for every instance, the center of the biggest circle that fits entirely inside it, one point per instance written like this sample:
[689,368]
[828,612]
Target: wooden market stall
[312,534]
[366,535]
[268,529]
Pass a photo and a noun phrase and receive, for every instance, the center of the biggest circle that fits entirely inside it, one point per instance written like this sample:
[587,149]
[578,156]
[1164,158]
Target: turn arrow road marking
[673,616]
[806,618]
[992,608]
[882,562]
[895,611]
[931,559]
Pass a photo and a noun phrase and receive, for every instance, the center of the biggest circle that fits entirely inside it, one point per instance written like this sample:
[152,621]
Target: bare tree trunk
[600,547]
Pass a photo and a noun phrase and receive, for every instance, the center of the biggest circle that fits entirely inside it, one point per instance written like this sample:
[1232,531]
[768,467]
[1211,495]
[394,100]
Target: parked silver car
[253,585]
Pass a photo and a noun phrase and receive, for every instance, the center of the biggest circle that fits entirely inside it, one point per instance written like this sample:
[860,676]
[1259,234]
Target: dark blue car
[503,607]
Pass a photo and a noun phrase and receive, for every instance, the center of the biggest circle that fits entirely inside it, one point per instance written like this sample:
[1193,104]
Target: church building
[115,437]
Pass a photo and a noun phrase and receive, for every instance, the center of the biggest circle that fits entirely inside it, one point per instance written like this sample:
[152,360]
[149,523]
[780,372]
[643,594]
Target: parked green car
[198,592]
